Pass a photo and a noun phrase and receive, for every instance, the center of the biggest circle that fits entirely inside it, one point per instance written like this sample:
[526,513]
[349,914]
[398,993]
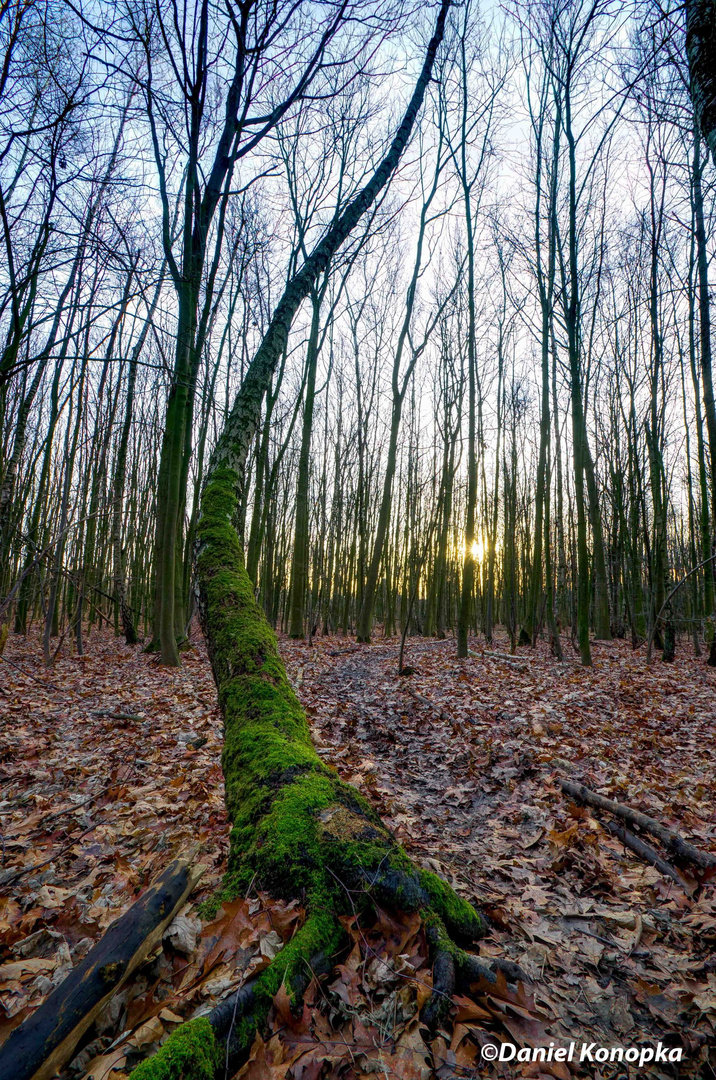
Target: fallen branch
[46,1041]
[432,705]
[645,851]
[118,715]
[512,661]
[652,632]
[670,839]
[54,814]
[8,876]
[29,675]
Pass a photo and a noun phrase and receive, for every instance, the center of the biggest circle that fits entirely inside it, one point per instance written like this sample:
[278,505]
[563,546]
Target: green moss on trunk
[298,830]
[190,1053]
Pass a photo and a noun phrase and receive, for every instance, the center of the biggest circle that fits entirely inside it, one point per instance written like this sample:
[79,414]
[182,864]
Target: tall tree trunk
[602,618]
[468,567]
[299,564]
[705,320]
[701,52]
[71,440]
[704,496]
[119,476]
[399,387]
[492,532]
[579,428]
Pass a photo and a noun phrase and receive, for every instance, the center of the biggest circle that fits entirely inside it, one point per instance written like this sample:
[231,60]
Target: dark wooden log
[670,839]
[42,1045]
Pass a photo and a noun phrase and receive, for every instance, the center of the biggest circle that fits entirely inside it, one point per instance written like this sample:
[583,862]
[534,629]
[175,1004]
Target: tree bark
[701,53]
[705,327]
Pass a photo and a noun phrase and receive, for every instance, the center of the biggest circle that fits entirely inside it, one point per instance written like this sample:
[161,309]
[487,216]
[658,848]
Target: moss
[318,940]
[278,791]
[190,1053]
[296,826]
[458,915]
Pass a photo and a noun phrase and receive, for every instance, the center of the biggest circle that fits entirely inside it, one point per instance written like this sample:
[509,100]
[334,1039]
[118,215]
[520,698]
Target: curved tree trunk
[298,830]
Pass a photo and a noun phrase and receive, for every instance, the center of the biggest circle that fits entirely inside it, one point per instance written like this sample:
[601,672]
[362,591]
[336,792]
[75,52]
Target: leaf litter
[110,767]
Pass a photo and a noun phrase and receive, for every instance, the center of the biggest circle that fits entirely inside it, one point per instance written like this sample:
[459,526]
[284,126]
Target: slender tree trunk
[71,440]
[399,389]
[579,429]
[705,327]
[299,567]
[468,567]
[704,496]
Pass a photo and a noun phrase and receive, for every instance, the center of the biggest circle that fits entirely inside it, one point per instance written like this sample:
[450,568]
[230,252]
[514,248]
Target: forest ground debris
[465,769]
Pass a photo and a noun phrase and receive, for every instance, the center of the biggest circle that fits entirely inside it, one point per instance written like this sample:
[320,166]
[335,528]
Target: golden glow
[480,548]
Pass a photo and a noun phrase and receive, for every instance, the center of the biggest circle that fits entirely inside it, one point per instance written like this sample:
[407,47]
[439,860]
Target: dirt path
[463,760]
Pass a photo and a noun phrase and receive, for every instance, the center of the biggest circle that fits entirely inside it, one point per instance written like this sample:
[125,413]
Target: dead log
[645,851]
[118,715]
[42,1045]
[512,661]
[670,839]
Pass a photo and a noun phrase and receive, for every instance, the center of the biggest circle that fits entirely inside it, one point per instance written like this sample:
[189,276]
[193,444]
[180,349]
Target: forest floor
[110,766]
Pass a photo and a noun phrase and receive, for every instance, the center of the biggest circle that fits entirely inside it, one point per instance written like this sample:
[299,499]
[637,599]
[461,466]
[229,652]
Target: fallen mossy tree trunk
[298,831]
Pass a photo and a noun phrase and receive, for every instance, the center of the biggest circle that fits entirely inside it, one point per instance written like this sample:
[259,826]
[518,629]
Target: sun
[478,549]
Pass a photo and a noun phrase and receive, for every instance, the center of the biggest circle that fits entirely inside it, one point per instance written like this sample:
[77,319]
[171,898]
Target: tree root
[436,1009]
[216,1045]
[453,968]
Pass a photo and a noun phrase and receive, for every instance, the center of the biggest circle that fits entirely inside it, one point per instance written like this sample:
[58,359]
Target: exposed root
[471,970]
[217,1044]
[454,967]
[436,1010]
[236,1020]
[227,1015]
